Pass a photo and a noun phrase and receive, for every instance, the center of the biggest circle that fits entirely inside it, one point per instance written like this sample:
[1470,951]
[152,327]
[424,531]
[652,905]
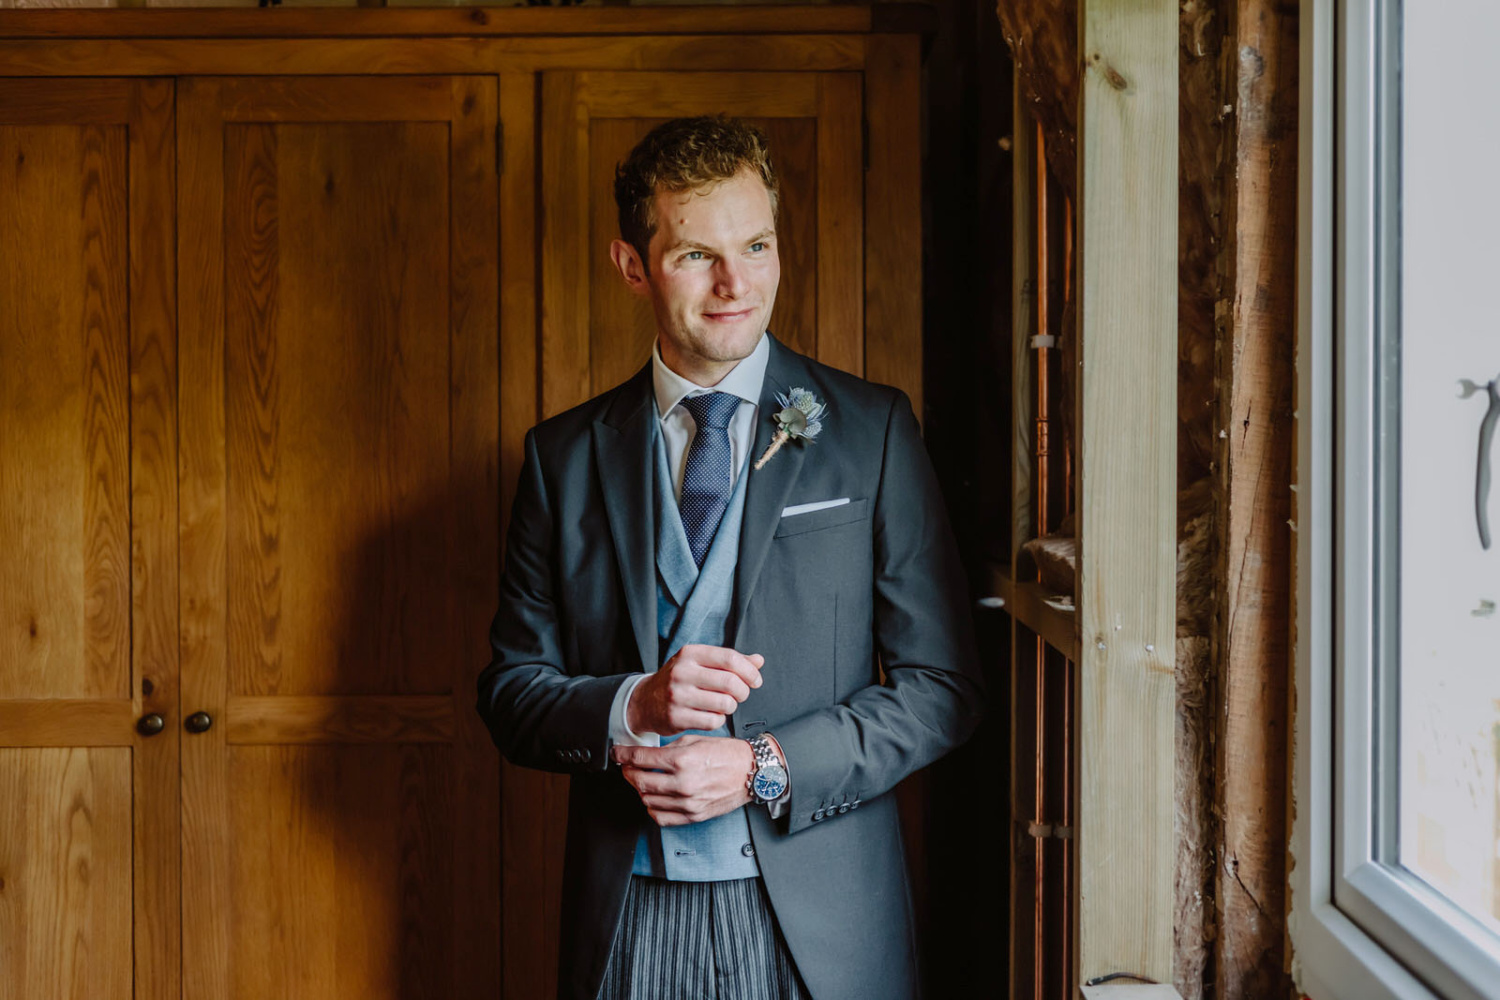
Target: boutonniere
[799,419]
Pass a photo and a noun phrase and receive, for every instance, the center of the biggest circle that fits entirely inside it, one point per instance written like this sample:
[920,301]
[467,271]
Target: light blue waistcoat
[693,606]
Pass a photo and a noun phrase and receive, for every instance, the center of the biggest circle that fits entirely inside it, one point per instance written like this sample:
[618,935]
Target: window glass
[1442,363]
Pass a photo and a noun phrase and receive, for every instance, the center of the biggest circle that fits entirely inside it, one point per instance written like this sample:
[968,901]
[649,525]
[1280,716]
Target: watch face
[770,782]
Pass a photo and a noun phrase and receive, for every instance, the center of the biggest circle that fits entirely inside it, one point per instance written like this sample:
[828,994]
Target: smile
[728,317]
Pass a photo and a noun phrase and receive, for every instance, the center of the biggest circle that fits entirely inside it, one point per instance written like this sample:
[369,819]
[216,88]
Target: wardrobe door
[88,629]
[340,536]
[595,334]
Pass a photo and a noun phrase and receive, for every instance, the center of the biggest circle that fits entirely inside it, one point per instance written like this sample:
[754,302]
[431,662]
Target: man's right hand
[698,688]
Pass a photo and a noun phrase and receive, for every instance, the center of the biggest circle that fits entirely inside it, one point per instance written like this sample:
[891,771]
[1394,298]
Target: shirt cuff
[779,805]
[619,730]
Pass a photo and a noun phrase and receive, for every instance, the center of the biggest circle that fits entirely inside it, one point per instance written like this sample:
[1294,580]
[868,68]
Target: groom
[733,611]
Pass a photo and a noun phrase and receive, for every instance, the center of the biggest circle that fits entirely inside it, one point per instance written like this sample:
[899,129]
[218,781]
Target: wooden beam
[1127,181]
[1254,461]
[467,21]
[85,57]
[1023,780]
[1043,40]
[893,221]
[1132,991]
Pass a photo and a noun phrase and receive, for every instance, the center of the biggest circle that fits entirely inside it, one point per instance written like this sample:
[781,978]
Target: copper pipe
[1067,823]
[1067,272]
[1043,526]
[1043,327]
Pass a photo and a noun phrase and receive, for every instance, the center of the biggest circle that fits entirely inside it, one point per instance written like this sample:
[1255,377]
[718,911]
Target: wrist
[767,779]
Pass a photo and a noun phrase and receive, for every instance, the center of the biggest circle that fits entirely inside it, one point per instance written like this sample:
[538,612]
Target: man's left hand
[691,779]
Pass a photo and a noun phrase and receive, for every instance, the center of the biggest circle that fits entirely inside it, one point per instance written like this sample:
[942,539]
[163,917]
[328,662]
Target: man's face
[714,272]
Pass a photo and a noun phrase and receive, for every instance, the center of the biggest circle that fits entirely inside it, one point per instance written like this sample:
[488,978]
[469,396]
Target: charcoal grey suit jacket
[828,597]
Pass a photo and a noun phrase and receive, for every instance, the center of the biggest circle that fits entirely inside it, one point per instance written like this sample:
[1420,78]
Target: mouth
[728,317]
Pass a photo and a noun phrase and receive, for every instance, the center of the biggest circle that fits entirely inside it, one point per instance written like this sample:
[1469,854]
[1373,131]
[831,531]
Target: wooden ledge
[1028,603]
[1131,991]
[469,21]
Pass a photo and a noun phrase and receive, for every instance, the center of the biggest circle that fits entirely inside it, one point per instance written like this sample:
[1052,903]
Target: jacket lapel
[767,489]
[622,449]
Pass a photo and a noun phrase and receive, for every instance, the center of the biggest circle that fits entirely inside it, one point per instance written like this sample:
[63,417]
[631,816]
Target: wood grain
[519,330]
[1127,484]
[67,722]
[344,450]
[65,873]
[87,513]
[565,203]
[207,842]
[479,382]
[353,56]
[1022,729]
[1255,465]
[893,218]
[775,19]
[344,719]
[65,585]
[153,524]
[670,95]
[841,223]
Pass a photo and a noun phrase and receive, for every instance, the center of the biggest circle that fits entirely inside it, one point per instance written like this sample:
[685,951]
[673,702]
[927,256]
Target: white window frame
[1360,929]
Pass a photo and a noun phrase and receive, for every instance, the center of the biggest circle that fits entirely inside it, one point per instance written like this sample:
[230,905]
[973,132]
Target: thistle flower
[800,418]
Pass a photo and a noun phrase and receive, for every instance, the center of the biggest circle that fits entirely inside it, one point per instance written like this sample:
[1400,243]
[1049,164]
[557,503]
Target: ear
[628,262]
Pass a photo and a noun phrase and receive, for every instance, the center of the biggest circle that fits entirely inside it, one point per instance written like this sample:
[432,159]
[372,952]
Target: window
[1396,889]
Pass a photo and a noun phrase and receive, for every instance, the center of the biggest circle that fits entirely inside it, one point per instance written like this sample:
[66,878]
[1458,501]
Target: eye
[757,247]
[693,255]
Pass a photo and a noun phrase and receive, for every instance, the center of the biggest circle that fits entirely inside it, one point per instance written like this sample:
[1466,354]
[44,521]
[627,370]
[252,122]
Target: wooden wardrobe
[280,293]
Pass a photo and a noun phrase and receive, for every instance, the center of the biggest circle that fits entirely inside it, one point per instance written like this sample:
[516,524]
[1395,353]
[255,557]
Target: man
[706,570]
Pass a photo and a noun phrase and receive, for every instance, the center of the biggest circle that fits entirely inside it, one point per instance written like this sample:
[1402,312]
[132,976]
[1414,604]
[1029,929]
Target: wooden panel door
[595,334]
[88,589]
[340,536]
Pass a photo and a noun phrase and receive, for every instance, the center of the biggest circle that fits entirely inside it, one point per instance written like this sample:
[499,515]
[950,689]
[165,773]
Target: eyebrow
[695,245]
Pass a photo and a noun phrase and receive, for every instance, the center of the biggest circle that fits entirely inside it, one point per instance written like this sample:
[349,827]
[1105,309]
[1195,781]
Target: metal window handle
[1482,475]
[198,722]
[150,725]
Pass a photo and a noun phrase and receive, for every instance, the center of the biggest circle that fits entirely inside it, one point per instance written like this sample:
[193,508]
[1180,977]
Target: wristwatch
[767,781]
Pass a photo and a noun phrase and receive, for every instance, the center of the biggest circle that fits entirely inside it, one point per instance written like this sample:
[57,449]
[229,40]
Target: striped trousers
[699,941]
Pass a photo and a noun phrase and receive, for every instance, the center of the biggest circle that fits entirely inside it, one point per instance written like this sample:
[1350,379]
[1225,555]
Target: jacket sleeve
[932,696]
[537,713]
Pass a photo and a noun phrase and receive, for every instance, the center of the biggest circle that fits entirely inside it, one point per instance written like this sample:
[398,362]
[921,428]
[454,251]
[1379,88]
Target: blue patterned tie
[709,472]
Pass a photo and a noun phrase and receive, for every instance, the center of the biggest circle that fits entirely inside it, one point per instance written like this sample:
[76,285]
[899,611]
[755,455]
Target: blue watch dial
[770,782]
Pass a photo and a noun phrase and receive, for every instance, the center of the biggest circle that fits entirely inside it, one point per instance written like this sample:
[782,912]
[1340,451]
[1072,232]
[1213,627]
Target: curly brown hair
[686,154]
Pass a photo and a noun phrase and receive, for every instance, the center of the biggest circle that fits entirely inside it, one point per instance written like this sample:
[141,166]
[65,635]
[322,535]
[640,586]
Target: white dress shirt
[678,429]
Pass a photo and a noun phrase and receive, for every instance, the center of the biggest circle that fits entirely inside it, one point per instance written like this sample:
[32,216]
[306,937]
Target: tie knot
[712,409]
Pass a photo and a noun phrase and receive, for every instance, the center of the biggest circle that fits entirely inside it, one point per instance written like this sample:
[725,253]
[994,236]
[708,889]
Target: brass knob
[199,722]
[150,725]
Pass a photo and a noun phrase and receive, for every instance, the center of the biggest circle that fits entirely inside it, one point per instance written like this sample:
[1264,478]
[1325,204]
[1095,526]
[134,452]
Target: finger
[682,719]
[645,757]
[669,812]
[652,782]
[713,679]
[706,699]
[723,658]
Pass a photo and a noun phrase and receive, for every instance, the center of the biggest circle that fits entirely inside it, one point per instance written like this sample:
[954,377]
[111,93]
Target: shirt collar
[744,379]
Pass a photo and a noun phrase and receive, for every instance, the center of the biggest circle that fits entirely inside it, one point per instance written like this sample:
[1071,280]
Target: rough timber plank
[1255,461]
[1127,482]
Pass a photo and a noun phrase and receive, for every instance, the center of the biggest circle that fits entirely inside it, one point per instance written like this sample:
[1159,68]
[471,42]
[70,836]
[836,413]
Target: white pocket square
[808,508]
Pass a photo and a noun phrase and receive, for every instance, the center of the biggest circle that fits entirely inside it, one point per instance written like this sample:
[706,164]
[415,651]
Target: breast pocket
[817,520]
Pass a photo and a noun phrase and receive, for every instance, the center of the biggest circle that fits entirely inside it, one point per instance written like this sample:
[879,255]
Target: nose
[730,281]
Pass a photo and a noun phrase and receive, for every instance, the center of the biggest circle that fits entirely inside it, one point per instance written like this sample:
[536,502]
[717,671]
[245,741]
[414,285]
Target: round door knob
[150,725]
[199,722]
